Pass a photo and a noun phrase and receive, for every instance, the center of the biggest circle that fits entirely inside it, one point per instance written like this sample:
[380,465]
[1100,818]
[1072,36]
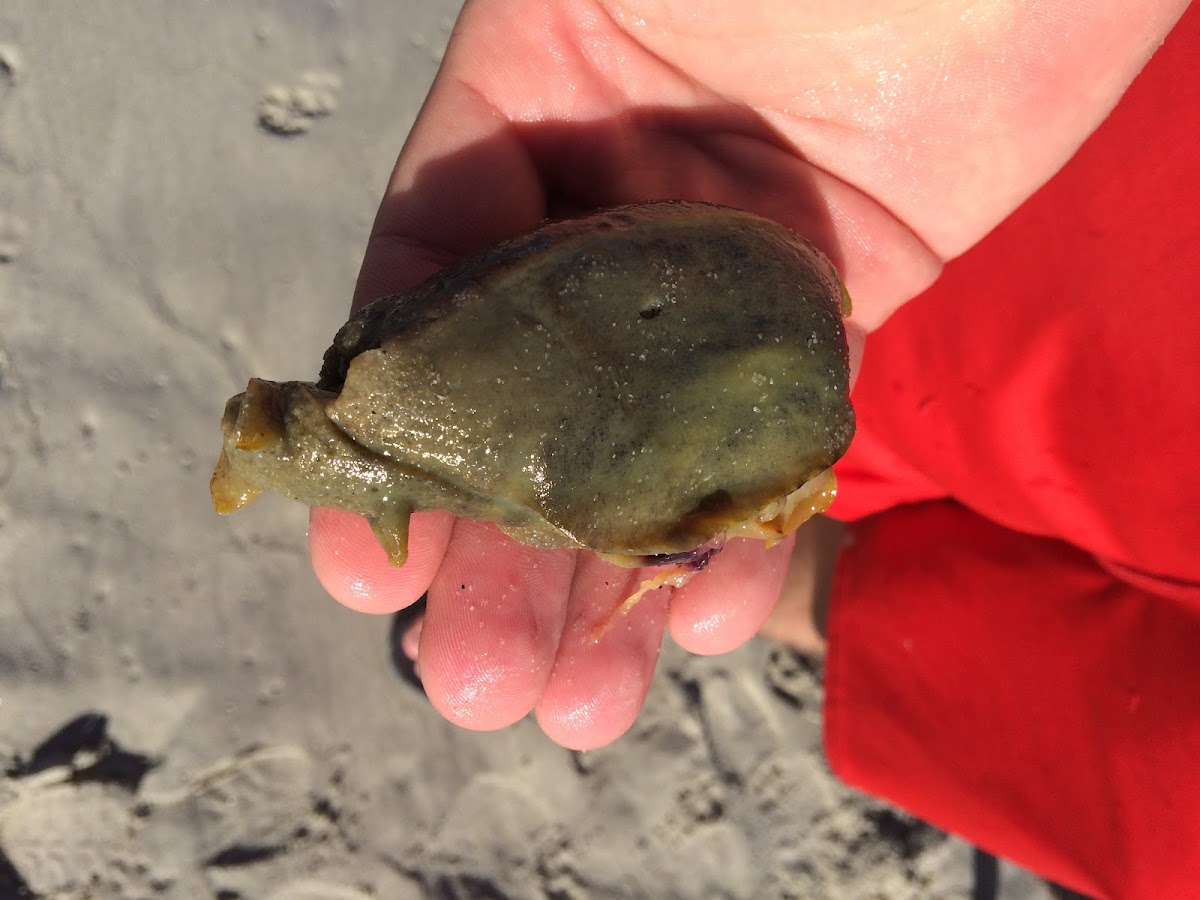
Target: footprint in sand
[702,801]
[12,237]
[10,68]
[795,677]
[738,725]
[59,838]
[309,889]
[12,229]
[256,800]
[289,110]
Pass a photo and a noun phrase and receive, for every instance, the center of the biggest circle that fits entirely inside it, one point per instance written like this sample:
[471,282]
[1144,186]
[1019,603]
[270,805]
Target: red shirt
[1015,631]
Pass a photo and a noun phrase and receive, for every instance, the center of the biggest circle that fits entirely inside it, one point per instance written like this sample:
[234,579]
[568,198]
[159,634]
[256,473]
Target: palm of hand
[891,136]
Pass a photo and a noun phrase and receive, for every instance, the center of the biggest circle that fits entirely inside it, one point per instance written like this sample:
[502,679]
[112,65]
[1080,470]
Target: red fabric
[1010,690]
[1029,433]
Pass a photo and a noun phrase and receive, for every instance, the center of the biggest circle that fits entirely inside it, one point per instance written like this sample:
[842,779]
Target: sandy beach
[185,192]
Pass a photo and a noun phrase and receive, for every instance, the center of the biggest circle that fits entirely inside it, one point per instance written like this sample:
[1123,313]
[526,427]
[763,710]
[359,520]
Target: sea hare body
[642,383]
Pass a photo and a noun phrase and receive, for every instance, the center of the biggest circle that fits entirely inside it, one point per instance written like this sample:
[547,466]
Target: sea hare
[642,382]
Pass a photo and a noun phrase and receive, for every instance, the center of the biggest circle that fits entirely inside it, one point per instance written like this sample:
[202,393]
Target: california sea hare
[642,382]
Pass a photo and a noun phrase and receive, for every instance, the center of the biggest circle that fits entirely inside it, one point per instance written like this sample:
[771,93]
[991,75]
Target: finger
[724,605]
[410,641]
[597,687]
[496,611]
[355,571]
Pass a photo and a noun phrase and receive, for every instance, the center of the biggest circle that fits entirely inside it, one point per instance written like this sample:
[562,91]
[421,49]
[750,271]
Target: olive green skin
[635,382]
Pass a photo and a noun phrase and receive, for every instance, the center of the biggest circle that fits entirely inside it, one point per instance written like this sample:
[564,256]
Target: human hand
[893,135]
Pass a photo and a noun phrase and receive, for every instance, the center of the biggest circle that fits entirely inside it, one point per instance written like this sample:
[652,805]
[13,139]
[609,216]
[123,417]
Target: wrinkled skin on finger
[892,134]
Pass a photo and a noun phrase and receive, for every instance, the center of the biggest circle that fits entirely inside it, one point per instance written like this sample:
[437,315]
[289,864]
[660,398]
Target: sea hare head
[637,382]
